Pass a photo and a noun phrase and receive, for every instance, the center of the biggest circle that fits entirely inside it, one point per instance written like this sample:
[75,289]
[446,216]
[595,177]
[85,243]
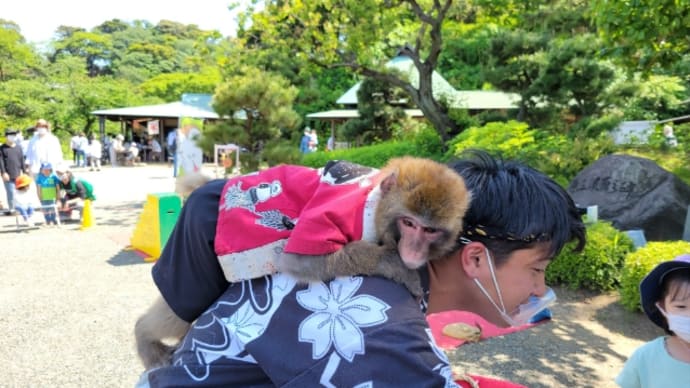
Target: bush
[598,266]
[639,263]
[424,144]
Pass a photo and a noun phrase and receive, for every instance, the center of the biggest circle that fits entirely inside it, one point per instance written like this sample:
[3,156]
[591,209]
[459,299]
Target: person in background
[313,140]
[48,185]
[43,147]
[665,361]
[25,199]
[11,165]
[304,142]
[171,143]
[82,150]
[74,146]
[95,153]
[330,144]
[76,191]
[345,331]
[156,150]
[116,148]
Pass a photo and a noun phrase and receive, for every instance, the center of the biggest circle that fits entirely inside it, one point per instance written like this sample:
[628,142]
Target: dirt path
[585,345]
[69,300]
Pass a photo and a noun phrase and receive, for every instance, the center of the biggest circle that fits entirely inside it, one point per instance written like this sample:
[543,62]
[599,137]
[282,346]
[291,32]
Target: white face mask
[679,324]
[11,138]
[41,131]
[525,311]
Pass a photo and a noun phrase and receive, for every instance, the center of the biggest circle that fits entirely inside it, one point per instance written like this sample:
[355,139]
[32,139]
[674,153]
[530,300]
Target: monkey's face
[417,240]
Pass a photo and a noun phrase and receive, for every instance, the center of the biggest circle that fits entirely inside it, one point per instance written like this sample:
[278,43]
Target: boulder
[634,193]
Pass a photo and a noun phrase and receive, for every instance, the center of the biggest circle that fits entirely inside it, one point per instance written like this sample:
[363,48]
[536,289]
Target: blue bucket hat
[650,287]
[47,166]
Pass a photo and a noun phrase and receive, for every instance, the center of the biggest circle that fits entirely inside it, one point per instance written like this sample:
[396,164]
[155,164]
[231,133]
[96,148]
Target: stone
[634,193]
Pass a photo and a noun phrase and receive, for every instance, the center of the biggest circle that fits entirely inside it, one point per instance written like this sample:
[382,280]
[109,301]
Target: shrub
[598,266]
[638,264]
[425,144]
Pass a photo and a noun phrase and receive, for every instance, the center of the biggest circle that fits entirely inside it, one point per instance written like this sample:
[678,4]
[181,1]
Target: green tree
[257,105]
[642,34]
[363,36]
[377,115]
[17,58]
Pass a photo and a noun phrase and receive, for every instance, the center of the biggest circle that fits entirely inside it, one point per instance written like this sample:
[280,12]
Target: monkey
[417,218]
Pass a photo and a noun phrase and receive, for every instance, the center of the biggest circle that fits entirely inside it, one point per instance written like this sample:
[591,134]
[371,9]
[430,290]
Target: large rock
[634,193]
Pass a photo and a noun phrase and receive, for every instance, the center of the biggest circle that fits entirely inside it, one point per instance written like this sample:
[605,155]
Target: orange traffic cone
[87,215]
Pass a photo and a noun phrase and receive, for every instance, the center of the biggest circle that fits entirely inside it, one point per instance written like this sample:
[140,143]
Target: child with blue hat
[664,361]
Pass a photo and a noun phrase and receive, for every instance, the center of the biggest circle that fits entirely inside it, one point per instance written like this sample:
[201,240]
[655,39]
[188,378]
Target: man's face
[520,277]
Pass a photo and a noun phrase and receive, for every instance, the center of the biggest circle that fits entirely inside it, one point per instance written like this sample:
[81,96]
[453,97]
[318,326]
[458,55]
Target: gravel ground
[70,297]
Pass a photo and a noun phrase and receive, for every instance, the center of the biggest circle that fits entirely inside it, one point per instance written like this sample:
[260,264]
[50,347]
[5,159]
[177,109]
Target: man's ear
[471,259]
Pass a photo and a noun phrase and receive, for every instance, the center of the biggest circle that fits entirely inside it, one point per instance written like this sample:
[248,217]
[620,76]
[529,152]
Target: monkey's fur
[418,218]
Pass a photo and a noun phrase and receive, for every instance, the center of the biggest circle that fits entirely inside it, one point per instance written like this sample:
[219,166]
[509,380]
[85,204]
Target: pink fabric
[488,382]
[437,321]
[327,216]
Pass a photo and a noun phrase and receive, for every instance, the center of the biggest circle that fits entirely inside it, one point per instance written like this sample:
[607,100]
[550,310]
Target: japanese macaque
[418,218]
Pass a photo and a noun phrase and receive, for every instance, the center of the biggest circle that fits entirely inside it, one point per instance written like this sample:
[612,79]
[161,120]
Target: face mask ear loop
[493,277]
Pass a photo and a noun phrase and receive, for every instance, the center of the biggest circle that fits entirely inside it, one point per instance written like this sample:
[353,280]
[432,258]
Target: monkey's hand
[392,267]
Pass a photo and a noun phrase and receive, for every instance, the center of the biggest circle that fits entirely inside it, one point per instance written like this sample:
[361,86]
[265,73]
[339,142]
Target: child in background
[76,191]
[665,361]
[48,185]
[25,199]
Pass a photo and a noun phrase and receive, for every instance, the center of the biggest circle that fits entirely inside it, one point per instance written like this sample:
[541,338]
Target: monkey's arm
[355,258]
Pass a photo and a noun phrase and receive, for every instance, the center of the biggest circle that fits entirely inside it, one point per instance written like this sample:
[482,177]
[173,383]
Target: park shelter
[196,106]
[472,100]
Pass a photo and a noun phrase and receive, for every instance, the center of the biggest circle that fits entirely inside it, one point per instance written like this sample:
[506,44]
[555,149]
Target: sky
[38,19]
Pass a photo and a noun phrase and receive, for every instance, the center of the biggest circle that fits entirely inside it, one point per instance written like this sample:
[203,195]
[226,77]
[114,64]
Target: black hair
[516,207]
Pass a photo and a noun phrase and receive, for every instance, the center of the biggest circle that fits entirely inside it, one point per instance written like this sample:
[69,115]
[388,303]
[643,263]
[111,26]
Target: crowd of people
[36,178]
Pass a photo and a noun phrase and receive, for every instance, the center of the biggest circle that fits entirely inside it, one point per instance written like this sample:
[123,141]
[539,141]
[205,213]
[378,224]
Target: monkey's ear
[388,183]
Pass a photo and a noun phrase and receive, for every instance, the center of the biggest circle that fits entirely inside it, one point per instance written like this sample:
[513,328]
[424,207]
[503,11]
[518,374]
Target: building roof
[353,113]
[170,110]
[463,99]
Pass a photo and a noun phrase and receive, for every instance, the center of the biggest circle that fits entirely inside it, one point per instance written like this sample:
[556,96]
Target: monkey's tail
[185,184]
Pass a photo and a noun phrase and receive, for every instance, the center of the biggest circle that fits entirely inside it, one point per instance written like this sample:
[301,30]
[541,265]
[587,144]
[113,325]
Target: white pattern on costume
[337,317]
[443,368]
[248,323]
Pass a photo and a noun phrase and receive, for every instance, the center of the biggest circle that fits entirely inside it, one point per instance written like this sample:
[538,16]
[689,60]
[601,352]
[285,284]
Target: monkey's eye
[430,230]
[407,222]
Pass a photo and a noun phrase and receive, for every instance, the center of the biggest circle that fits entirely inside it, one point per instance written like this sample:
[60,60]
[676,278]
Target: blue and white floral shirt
[350,332]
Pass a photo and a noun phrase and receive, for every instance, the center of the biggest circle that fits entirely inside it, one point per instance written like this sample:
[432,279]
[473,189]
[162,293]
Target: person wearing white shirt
[44,147]
[95,154]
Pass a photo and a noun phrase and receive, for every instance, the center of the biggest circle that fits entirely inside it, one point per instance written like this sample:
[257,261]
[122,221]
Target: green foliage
[598,266]
[281,151]
[426,145]
[639,263]
[643,34]
[377,115]
[257,105]
[557,155]
[511,140]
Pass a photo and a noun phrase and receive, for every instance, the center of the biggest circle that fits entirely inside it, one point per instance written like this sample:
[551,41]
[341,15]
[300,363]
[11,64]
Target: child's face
[46,171]
[677,300]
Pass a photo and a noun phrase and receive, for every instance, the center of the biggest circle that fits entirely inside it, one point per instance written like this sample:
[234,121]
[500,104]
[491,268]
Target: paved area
[70,297]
